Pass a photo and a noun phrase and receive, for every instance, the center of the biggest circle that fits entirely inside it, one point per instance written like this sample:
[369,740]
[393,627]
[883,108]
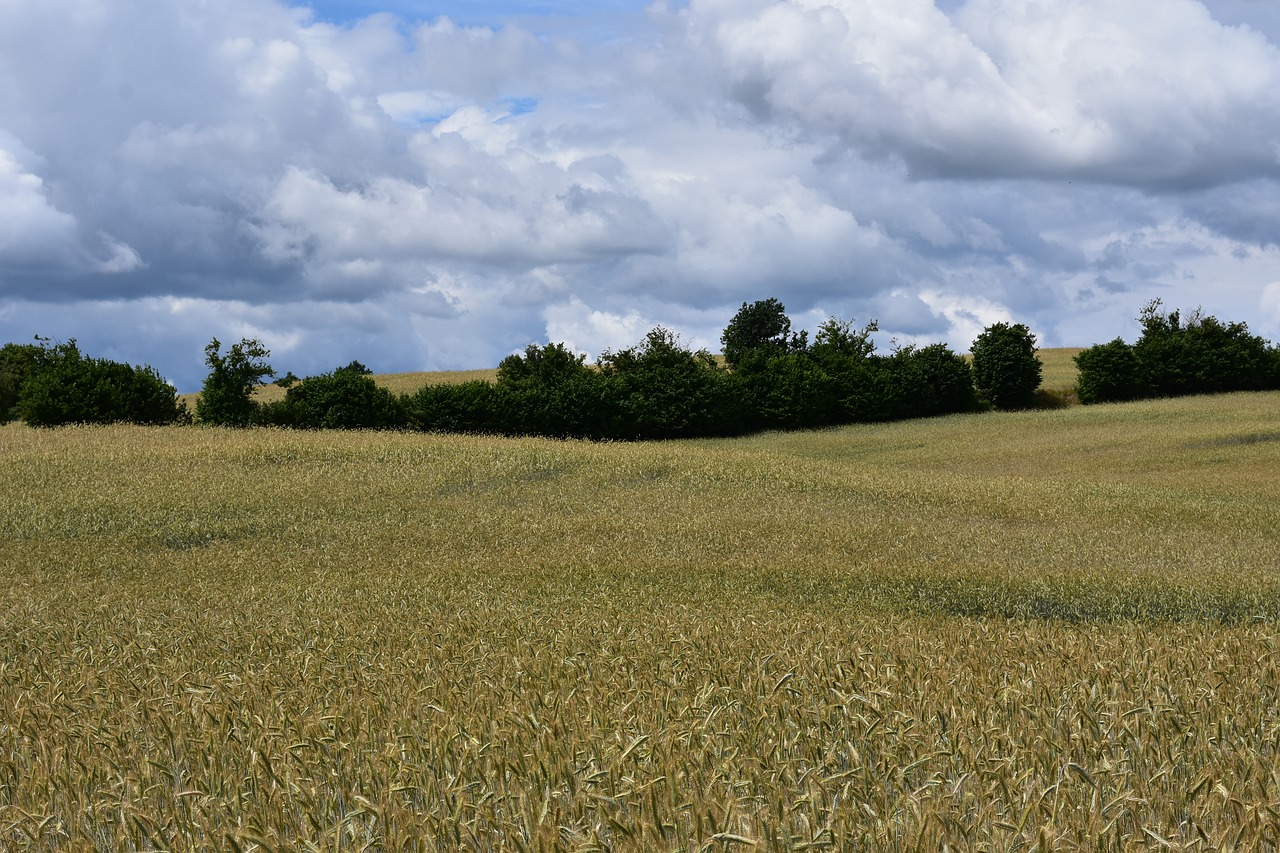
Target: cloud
[33,231]
[423,194]
[1270,302]
[1098,90]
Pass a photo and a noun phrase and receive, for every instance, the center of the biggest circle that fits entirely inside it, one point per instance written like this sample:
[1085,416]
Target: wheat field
[1042,630]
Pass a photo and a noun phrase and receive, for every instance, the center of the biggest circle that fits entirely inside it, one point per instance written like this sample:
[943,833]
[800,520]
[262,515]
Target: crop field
[1048,630]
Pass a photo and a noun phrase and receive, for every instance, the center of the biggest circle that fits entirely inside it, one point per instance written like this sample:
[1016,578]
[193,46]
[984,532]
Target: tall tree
[761,325]
[226,399]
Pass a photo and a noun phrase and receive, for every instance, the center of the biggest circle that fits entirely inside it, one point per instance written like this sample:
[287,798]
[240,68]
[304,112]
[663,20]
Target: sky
[434,185]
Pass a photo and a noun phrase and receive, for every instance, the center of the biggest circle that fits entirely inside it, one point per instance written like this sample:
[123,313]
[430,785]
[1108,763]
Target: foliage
[347,398]
[477,406]
[668,391]
[928,381]
[226,399]
[18,363]
[838,340]
[1176,356]
[539,366]
[1006,370]
[1109,373]
[762,325]
[552,391]
[68,387]
[785,390]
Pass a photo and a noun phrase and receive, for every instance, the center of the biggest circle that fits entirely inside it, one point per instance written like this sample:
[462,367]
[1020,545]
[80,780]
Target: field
[1052,629]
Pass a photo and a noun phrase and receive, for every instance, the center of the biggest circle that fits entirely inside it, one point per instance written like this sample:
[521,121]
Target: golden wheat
[260,640]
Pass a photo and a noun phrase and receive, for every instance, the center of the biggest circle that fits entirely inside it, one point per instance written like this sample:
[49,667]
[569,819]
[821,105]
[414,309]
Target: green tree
[1177,355]
[1109,373]
[668,391]
[762,325]
[18,363]
[71,388]
[553,392]
[226,398]
[347,398]
[551,364]
[1006,369]
[838,340]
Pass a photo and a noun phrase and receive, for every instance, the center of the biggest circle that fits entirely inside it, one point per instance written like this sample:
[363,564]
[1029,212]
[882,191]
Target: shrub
[70,388]
[347,398]
[1175,356]
[667,391]
[785,390]
[1109,373]
[927,381]
[226,398]
[1006,369]
[860,381]
[18,363]
[468,407]
[1198,355]
[552,391]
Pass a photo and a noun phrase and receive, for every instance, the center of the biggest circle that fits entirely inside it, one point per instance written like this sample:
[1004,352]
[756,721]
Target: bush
[468,407]
[926,381]
[1006,369]
[1198,355]
[785,390]
[553,392]
[1174,357]
[1109,373]
[18,363]
[347,398]
[70,388]
[226,398]
[667,391]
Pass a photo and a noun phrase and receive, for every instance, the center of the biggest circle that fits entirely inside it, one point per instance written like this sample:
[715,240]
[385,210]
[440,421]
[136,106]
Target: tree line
[770,377]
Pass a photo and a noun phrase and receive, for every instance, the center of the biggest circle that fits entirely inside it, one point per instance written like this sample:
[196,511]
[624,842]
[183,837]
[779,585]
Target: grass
[1052,628]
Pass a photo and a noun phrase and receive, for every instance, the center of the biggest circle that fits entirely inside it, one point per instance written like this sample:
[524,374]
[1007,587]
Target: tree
[926,381]
[1109,373]
[838,339]
[762,325]
[1006,369]
[347,398]
[71,388]
[553,392]
[667,391]
[552,364]
[226,398]
[18,364]
[1177,355]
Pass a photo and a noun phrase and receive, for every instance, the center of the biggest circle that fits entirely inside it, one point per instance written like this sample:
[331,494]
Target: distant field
[998,631]
[1059,371]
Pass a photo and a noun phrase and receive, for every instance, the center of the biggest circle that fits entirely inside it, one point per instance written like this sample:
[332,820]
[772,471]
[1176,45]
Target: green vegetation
[769,378]
[993,631]
[1175,357]
[48,384]
[227,396]
[1006,371]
